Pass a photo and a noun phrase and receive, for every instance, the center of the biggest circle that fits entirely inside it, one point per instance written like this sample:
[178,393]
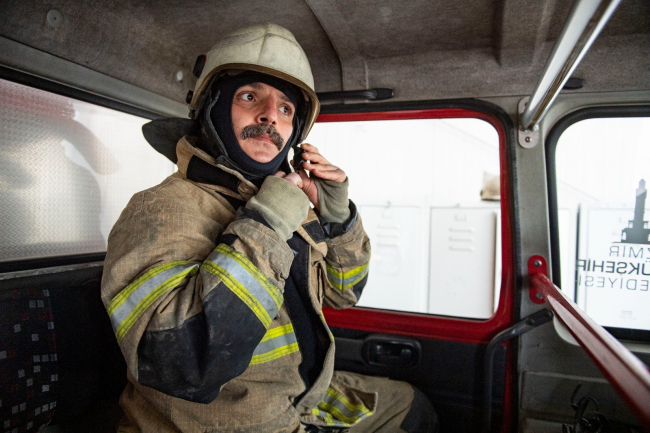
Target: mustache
[254,131]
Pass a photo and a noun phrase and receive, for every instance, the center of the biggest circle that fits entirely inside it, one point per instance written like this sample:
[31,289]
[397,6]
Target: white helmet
[266,48]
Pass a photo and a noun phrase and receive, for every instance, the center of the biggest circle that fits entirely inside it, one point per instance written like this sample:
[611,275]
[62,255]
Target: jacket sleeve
[190,299]
[347,261]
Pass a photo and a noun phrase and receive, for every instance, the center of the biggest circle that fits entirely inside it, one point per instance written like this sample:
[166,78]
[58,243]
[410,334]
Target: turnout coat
[194,289]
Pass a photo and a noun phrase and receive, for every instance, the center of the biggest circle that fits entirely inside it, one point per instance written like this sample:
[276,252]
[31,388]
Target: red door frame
[438,327]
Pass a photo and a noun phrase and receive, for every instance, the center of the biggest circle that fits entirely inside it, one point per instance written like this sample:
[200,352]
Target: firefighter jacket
[194,291]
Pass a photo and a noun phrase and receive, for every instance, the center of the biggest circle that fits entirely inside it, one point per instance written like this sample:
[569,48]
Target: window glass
[602,169]
[68,170]
[417,185]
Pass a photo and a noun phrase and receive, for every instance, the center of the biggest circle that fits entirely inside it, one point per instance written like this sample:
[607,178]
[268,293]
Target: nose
[268,111]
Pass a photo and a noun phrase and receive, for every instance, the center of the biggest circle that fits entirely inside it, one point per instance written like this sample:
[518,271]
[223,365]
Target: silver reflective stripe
[351,416]
[337,280]
[335,409]
[328,418]
[275,343]
[247,280]
[127,307]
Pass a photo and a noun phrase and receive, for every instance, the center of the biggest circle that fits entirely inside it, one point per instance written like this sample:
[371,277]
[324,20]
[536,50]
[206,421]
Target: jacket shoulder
[180,196]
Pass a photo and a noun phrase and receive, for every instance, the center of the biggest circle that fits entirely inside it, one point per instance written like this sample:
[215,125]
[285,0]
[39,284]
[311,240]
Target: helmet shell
[266,48]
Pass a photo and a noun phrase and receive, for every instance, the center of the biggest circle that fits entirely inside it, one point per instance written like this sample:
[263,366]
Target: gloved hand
[282,204]
[333,200]
[326,185]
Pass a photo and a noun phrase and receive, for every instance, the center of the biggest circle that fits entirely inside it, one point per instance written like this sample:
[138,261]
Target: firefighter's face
[262,119]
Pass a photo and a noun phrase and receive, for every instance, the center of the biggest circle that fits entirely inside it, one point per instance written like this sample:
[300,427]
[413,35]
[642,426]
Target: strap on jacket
[200,171]
[312,232]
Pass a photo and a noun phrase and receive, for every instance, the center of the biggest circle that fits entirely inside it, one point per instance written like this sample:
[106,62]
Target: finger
[309,147]
[303,175]
[335,176]
[310,166]
[331,170]
[331,173]
[280,174]
[306,180]
[294,179]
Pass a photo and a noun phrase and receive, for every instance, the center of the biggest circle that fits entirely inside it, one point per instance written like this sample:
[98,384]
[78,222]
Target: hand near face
[292,178]
[317,166]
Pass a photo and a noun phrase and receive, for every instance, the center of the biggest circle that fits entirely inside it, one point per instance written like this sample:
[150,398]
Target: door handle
[383,351]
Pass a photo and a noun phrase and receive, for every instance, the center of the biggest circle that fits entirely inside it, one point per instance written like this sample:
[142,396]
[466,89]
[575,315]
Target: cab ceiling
[423,49]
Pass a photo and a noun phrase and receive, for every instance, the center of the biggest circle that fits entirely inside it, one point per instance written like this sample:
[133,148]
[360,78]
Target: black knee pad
[421,418]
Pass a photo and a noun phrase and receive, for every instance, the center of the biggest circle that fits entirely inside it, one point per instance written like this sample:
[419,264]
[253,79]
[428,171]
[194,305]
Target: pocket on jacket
[343,406]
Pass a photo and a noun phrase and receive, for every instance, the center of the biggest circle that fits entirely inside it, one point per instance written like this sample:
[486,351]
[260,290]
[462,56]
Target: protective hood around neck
[218,136]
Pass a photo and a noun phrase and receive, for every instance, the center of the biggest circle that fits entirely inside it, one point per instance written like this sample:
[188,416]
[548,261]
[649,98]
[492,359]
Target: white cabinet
[397,279]
[464,262]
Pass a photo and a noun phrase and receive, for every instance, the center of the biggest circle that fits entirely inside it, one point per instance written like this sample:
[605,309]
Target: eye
[246,96]
[286,110]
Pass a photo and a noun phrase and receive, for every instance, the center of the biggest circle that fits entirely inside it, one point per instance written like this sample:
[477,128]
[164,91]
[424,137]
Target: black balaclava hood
[219,136]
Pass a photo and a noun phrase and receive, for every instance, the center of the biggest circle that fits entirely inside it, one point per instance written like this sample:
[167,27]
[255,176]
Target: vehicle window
[603,166]
[417,185]
[68,170]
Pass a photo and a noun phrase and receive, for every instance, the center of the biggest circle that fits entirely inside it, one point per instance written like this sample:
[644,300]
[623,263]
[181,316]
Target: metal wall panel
[68,170]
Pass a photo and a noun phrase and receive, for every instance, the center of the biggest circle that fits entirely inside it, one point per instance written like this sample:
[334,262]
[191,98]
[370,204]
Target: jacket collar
[197,166]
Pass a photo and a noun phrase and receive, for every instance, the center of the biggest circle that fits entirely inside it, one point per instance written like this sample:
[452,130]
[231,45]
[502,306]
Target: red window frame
[429,326]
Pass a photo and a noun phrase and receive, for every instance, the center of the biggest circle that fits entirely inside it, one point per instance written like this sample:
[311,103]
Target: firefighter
[215,279]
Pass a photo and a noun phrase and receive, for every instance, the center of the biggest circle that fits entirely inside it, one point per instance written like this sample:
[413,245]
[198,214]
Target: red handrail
[627,374]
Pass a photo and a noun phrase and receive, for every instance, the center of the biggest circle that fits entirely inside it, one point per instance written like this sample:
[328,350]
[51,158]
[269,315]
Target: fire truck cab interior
[498,152]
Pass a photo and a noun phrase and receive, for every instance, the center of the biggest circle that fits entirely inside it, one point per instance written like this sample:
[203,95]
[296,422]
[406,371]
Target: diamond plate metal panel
[67,169]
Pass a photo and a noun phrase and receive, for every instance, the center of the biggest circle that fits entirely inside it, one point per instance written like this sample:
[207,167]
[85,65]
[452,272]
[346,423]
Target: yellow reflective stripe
[265,281]
[327,418]
[240,291]
[345,275]
[149,299]
[276,332]
[336,409]
[335,412]
[121,297]
[354,282]
[351,407]
[274,354]
[343,281]
[329,332]
[276,343]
